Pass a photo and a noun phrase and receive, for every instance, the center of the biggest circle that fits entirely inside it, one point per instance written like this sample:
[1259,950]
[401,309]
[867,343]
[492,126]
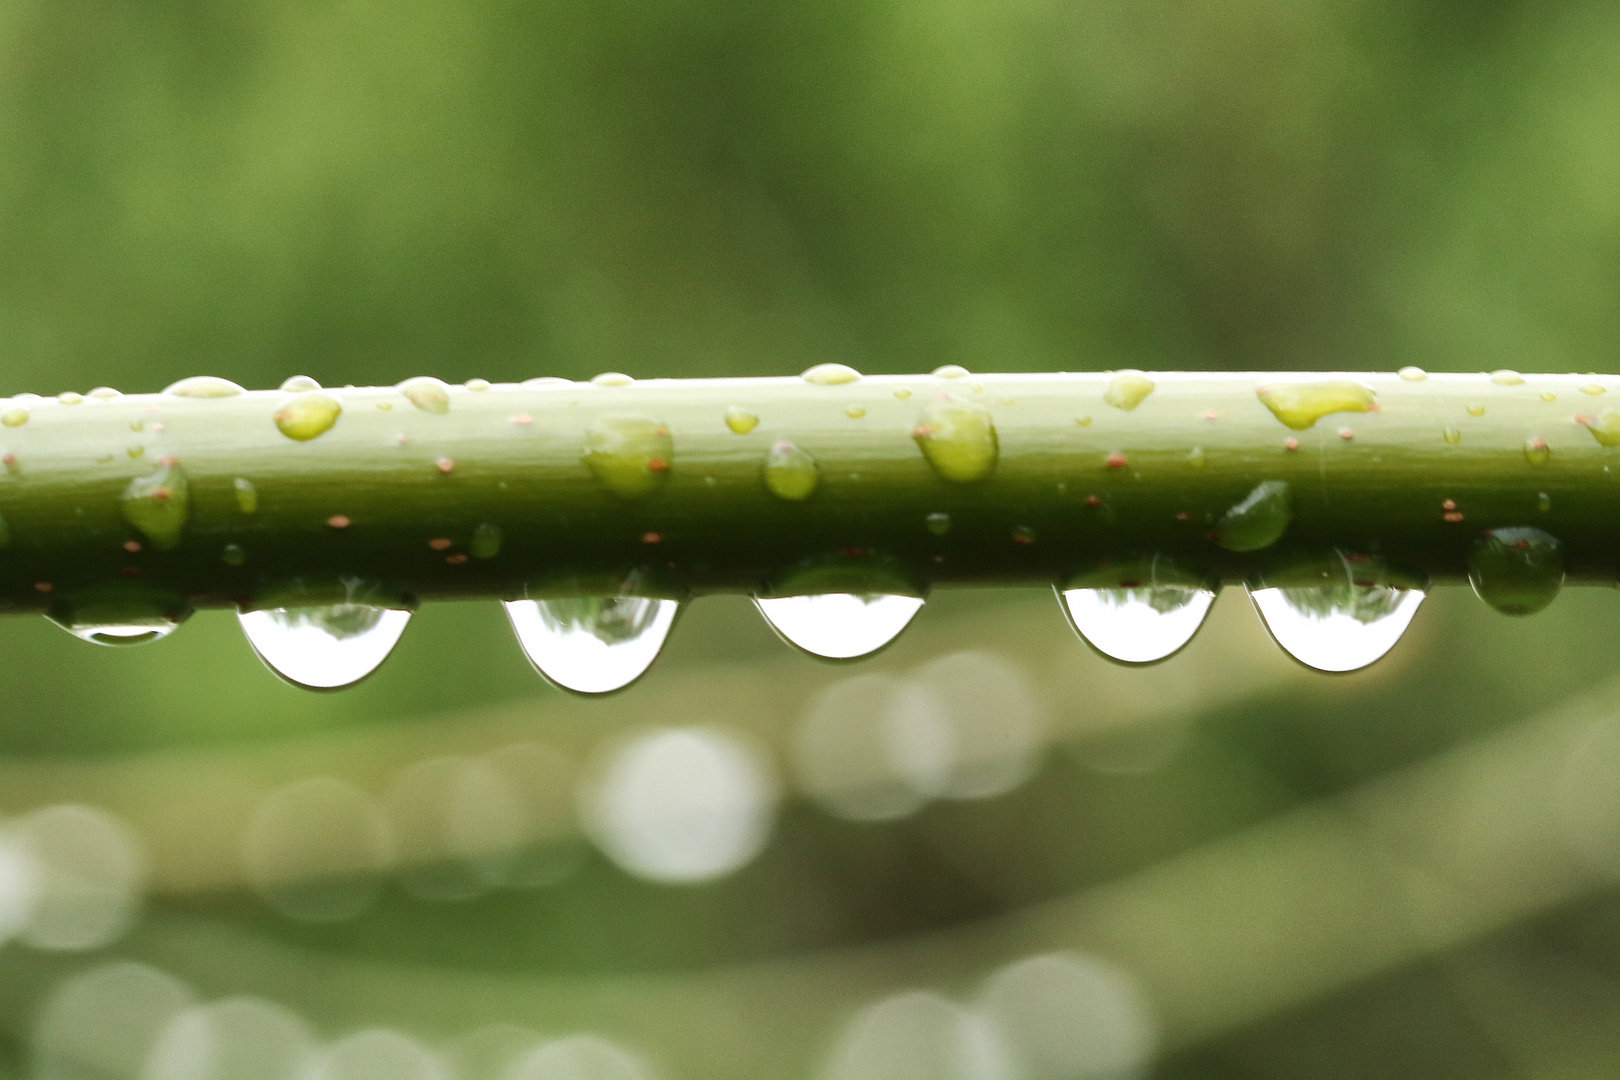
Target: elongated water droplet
[1536,450]
[1412,374]
[830,374]
[1451,435]
[592,644]
[1605,427]
[791,473]
[1259,520]
[158,506]
[1339,615]
[247,496]
[486,541]
[1301,404]
[308,415]
[1518,571]
[1506,377]
[299,384]
[119,614]
[839,626]
[629,455]
[1137,612]
[203,386]
[324,646]
[1593,388]
[1475,410]
[741,420]
[1127,389]
[105,393]
[14,417]
[958,438]
[426,393]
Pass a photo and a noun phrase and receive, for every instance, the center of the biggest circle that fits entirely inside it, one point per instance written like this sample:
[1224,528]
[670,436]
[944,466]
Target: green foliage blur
[361,191]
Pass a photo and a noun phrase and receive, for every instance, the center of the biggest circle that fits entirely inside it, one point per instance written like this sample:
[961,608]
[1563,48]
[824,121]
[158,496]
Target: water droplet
[299,384]
[203,386]
[830,374]
[1536,451]
[1476,410]
[1339,613]
[1593,388]
[938,523]
[119,613]
[951,371]
[135,451]
[1543,502]
[1505,377]
[233,555]
[477,386]
[903,392]
[1137,612]
[1518,571]
[14,417]
[1452,435]
[158,505]
[68,397]
[854,412]
[629,455]
[1195,458]
[612,378]
[1412,374]
[958,438]
[326,645]
[309,415]
[839,626]
[791,473]
[1259,520]
[1605,427]
[137,425]
[247,496]
[1548,395]
[105,393]
[593,644]
[486,541]
[1301,404]
[1083,421]
[545,382]
[741,420]
[1127,389]
[426,393]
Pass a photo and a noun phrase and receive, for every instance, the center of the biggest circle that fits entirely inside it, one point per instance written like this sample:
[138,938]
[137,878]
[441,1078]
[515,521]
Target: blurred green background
[996,858]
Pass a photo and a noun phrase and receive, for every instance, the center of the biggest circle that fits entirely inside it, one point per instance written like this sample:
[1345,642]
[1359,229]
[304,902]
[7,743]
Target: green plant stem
[397,493]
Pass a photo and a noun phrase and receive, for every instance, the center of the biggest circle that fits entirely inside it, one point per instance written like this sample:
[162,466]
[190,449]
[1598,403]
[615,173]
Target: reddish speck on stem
[522,419]
[457,559]
[1092,500]
[1522,545]
[1448,505]
[1115,460]
[1346,434]
[1452,516]
[1290,443]
[651,538]
[338,521]
[132,545]
[402,438]
[156,425]
[439,543]
[447,466]
[1583,418]
[853,552]
[922,431]
[1183,516]
[657,464]
[9,460]
[1209,414]
[42,586]
[130,571]
[168,459]
[1536,442]
[161,494]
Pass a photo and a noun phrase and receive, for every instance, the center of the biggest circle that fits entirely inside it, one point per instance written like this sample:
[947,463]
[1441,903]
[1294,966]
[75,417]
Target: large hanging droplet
[791,473]
[1137,612]
[1518,571]
[308,415]
[1337,614]
[204,386]
[1127,389]
[324,646]
[630,455]
[958,438]
[592,644]
[119,614]
[1259,520]
[158,506]
[426,393]
[839,626]
[1301,404]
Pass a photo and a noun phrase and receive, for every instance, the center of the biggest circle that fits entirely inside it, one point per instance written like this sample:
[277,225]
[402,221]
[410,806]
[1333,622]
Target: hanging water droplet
[1412,374]
[958,439]
[1340,613]
[629,455]
[203,386]
[1536,451]
[830,374]
[938,523]
[1605,427]
[158,505]
[486,541]
[326,645]
[839,626]
[247,496]
[741,420]
[298,384]
[120,613]
[426,393]
[791,473]
[307,416]
[1506,377]
[612,378]
[1259,520]
[593,644]
[1301,404]
[1518,571]
[1451,435]
[1127,389]
[1137,612]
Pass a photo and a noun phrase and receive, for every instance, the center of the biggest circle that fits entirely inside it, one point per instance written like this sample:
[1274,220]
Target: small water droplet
[854,412]
[839,626]
[1476,410]
[1137,612]
[119,613]
[958,439]
[426,393]
[1338,614]
[486,541]
[903,392]
[233,555]
[327,645]
[1593,388]
[203,386]
[1452,435]
[307,416]
[157,505]
[951,371]
[741,420]
[1259,520]
[1548,395]
[1536,451]
[105,393]
[135,451]
[68,397]
[1196,458]
[299,384]
[14,417]
[1518,571]
[830,374]
[1127,389]
[1412,374]
[1301,404]
[1543,502]
[477,386]
[938,523]
[137,425]
[592,644]
[1083,421]
[1506,377]
[1605,427]
[612,378]
[791,473]
[629,455]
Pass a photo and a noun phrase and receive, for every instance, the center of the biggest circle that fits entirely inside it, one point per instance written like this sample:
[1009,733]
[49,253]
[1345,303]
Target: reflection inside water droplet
[1140,613]
[1339,625]
[324,647]
[122,614]
[592,644]
[839,626]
